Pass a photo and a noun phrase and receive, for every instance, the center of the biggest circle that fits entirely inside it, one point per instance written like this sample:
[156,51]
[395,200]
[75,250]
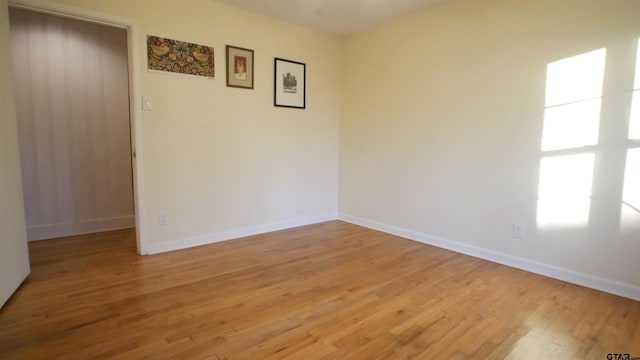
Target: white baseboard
[50,231]
[234,234]
[609,286]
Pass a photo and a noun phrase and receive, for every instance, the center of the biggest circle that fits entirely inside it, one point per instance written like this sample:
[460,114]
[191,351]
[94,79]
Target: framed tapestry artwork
[179,57]
[289,84]
[239,67]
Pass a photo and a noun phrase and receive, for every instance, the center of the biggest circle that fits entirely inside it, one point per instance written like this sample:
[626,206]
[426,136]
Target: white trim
[606,285]
[52,8]
[235,234]
[57,9]
[50,231]
[135,111]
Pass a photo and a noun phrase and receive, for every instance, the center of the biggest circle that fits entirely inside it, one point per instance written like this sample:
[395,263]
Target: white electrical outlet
[517,231]
[163,219]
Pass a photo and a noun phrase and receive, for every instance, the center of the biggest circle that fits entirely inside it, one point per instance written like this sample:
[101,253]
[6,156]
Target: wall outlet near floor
[517,231]
[163,219]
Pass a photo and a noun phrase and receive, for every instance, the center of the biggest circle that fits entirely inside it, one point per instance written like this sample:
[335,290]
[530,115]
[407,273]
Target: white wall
[14,257]
[223,162]
[441,132]
[72,99]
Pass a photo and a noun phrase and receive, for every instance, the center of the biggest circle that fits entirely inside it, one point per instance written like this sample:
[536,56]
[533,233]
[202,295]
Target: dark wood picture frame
[289,84]
[239,67]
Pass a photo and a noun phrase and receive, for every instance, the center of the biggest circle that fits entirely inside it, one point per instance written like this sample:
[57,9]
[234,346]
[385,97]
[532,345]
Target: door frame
[135,99]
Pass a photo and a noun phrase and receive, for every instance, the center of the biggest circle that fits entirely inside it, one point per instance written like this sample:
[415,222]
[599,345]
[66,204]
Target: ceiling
[337,17]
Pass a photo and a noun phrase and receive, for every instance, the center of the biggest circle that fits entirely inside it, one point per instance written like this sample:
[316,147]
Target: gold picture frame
[239,67]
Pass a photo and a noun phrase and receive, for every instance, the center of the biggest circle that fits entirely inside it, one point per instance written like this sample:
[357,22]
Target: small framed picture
[239,67]
[289,84]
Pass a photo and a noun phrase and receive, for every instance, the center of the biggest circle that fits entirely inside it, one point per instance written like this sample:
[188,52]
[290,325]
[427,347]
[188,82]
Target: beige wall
[441,130]
[222,161]
[14,257]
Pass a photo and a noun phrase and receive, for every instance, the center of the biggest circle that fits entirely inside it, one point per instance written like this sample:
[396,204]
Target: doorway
[72,85]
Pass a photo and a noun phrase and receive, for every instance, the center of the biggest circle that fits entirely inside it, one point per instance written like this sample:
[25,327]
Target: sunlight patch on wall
[572,101]
[564,190]
[630,212]
[573,97]
[631,194]
[575,78]
[630,208]
[572,125]
[634,120]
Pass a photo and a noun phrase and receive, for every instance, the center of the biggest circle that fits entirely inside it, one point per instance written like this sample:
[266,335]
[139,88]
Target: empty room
[288,179]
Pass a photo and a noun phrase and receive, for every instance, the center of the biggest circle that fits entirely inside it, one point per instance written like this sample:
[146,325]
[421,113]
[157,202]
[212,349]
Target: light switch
[147,103]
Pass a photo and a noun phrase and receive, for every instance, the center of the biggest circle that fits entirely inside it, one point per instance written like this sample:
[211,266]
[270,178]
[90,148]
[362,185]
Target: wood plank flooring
[326,291]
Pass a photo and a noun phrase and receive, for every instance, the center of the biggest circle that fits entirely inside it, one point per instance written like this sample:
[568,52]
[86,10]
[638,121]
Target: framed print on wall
[180,57]
[239,67]
[289,84]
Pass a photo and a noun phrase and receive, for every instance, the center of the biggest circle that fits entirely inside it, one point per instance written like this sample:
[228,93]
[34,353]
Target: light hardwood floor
[325,291]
